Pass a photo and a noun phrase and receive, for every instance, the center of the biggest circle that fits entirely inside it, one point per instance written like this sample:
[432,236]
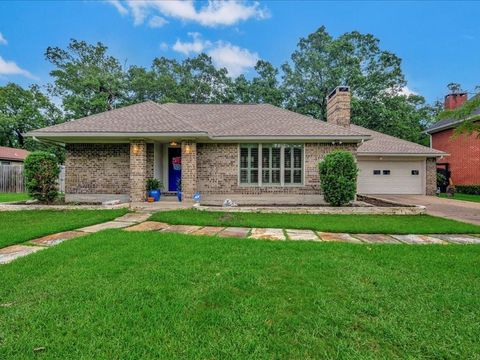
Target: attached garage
[391,176]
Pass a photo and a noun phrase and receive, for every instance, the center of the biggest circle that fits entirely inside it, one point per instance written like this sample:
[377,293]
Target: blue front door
[174,167]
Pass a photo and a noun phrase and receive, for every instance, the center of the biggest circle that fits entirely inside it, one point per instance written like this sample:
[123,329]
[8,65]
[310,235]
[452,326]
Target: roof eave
[397,154]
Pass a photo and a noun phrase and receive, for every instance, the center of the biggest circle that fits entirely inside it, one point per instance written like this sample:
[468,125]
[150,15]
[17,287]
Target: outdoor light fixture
[136,149]
[173,143]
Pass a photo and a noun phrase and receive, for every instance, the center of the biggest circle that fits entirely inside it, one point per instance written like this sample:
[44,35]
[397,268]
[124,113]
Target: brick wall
[138,170]
[189,169]
[97,169]
[464,156]
[217,170]
[431,176]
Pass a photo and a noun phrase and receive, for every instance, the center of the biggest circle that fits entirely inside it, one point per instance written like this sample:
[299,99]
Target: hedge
[468,189]
[338,177]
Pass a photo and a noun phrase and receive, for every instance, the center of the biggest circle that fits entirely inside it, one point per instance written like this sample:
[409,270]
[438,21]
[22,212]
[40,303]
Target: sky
[438,42]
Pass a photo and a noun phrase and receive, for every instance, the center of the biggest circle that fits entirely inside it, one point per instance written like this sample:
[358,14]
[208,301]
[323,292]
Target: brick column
[431,176]
[189,169]
[138,170]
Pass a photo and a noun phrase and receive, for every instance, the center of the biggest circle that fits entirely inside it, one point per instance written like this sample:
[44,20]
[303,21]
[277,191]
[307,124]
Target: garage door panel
[399,181]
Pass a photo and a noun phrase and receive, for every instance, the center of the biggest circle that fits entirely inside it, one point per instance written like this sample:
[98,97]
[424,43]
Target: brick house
[245,152]
[463,162]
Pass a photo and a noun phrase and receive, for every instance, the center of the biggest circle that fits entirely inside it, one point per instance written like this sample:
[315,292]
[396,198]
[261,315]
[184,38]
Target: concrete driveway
[452,209]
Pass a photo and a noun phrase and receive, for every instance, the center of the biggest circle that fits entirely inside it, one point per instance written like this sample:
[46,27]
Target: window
[293,163]
[249,164]
[377,172]
[386,172]
[415,172]
[271,164]
[279,164]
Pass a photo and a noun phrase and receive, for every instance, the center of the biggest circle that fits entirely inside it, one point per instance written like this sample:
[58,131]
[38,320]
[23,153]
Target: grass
[383,224]
[8,197]
[119,295]
[20,226]
[464,197]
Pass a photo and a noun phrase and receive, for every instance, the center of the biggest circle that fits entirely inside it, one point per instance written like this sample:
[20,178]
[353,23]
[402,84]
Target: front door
[174,167]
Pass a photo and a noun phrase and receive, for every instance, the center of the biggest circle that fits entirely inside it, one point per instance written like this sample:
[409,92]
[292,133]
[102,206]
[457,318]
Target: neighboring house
[247,152]
[463,163]
[12,156]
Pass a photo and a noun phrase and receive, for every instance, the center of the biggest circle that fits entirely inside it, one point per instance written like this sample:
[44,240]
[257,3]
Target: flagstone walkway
[139,222]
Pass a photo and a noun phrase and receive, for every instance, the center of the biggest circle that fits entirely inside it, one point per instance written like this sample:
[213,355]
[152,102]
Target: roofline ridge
[179,118]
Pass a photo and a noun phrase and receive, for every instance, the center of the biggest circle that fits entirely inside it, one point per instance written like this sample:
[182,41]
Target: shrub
[153,184]
[441,180]
[41,175]
[468,189]
[338,177]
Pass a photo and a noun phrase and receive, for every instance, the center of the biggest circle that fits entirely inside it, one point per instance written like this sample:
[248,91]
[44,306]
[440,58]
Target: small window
[415,172]
[377,172]
[386,172]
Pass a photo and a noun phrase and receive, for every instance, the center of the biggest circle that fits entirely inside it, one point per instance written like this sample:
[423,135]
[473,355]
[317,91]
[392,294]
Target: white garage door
[391,177]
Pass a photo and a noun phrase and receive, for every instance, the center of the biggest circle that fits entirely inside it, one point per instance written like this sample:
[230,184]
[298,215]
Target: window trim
[282,166]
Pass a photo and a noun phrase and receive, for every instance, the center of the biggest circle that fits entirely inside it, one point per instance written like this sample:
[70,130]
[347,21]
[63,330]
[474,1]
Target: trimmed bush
[468,189]
[41,175]
[338,177]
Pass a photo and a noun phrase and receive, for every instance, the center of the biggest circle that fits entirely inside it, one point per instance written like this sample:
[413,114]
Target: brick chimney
[454,100]
[338,106]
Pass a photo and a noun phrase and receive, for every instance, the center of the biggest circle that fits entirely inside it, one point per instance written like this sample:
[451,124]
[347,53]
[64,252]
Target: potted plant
[153,188]
[179,189]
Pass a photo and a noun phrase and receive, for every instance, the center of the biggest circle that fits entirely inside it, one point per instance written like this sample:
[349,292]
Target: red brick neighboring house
[12,156]
[463,163]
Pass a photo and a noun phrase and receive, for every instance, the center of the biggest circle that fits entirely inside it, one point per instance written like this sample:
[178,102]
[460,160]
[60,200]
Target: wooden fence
[12,179]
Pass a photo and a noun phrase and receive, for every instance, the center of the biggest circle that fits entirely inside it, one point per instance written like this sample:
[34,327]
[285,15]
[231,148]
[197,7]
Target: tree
[22,110]
[87,79]
[404,117]
[265,87]
[321,62]
[194,80]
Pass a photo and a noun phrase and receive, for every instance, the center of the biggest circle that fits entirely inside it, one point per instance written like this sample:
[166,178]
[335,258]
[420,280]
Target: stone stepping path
[10,253]
[13,252]
[139,222]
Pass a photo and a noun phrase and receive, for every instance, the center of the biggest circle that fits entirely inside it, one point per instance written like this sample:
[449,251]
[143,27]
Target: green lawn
[119,295]
[20,226]
[464,197]
[385,224]
[8,197]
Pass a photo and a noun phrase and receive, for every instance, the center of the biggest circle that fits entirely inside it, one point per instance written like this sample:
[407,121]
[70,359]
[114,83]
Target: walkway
[465,211]
[138,222]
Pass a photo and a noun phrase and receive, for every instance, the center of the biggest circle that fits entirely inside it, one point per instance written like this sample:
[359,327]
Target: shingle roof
[146,117]
[223,120]
[8,153]
[447,123]
[385,144]
[216,120]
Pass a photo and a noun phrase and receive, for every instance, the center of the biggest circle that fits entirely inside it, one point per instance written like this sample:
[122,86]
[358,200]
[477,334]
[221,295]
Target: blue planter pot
[155,194]
[179,195]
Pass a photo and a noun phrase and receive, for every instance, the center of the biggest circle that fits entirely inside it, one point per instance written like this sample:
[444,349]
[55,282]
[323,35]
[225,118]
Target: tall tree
[22,110]
[321,62]
[87,79]
[265,87]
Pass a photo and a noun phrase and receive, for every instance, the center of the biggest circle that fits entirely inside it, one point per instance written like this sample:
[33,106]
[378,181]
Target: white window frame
[260,166]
